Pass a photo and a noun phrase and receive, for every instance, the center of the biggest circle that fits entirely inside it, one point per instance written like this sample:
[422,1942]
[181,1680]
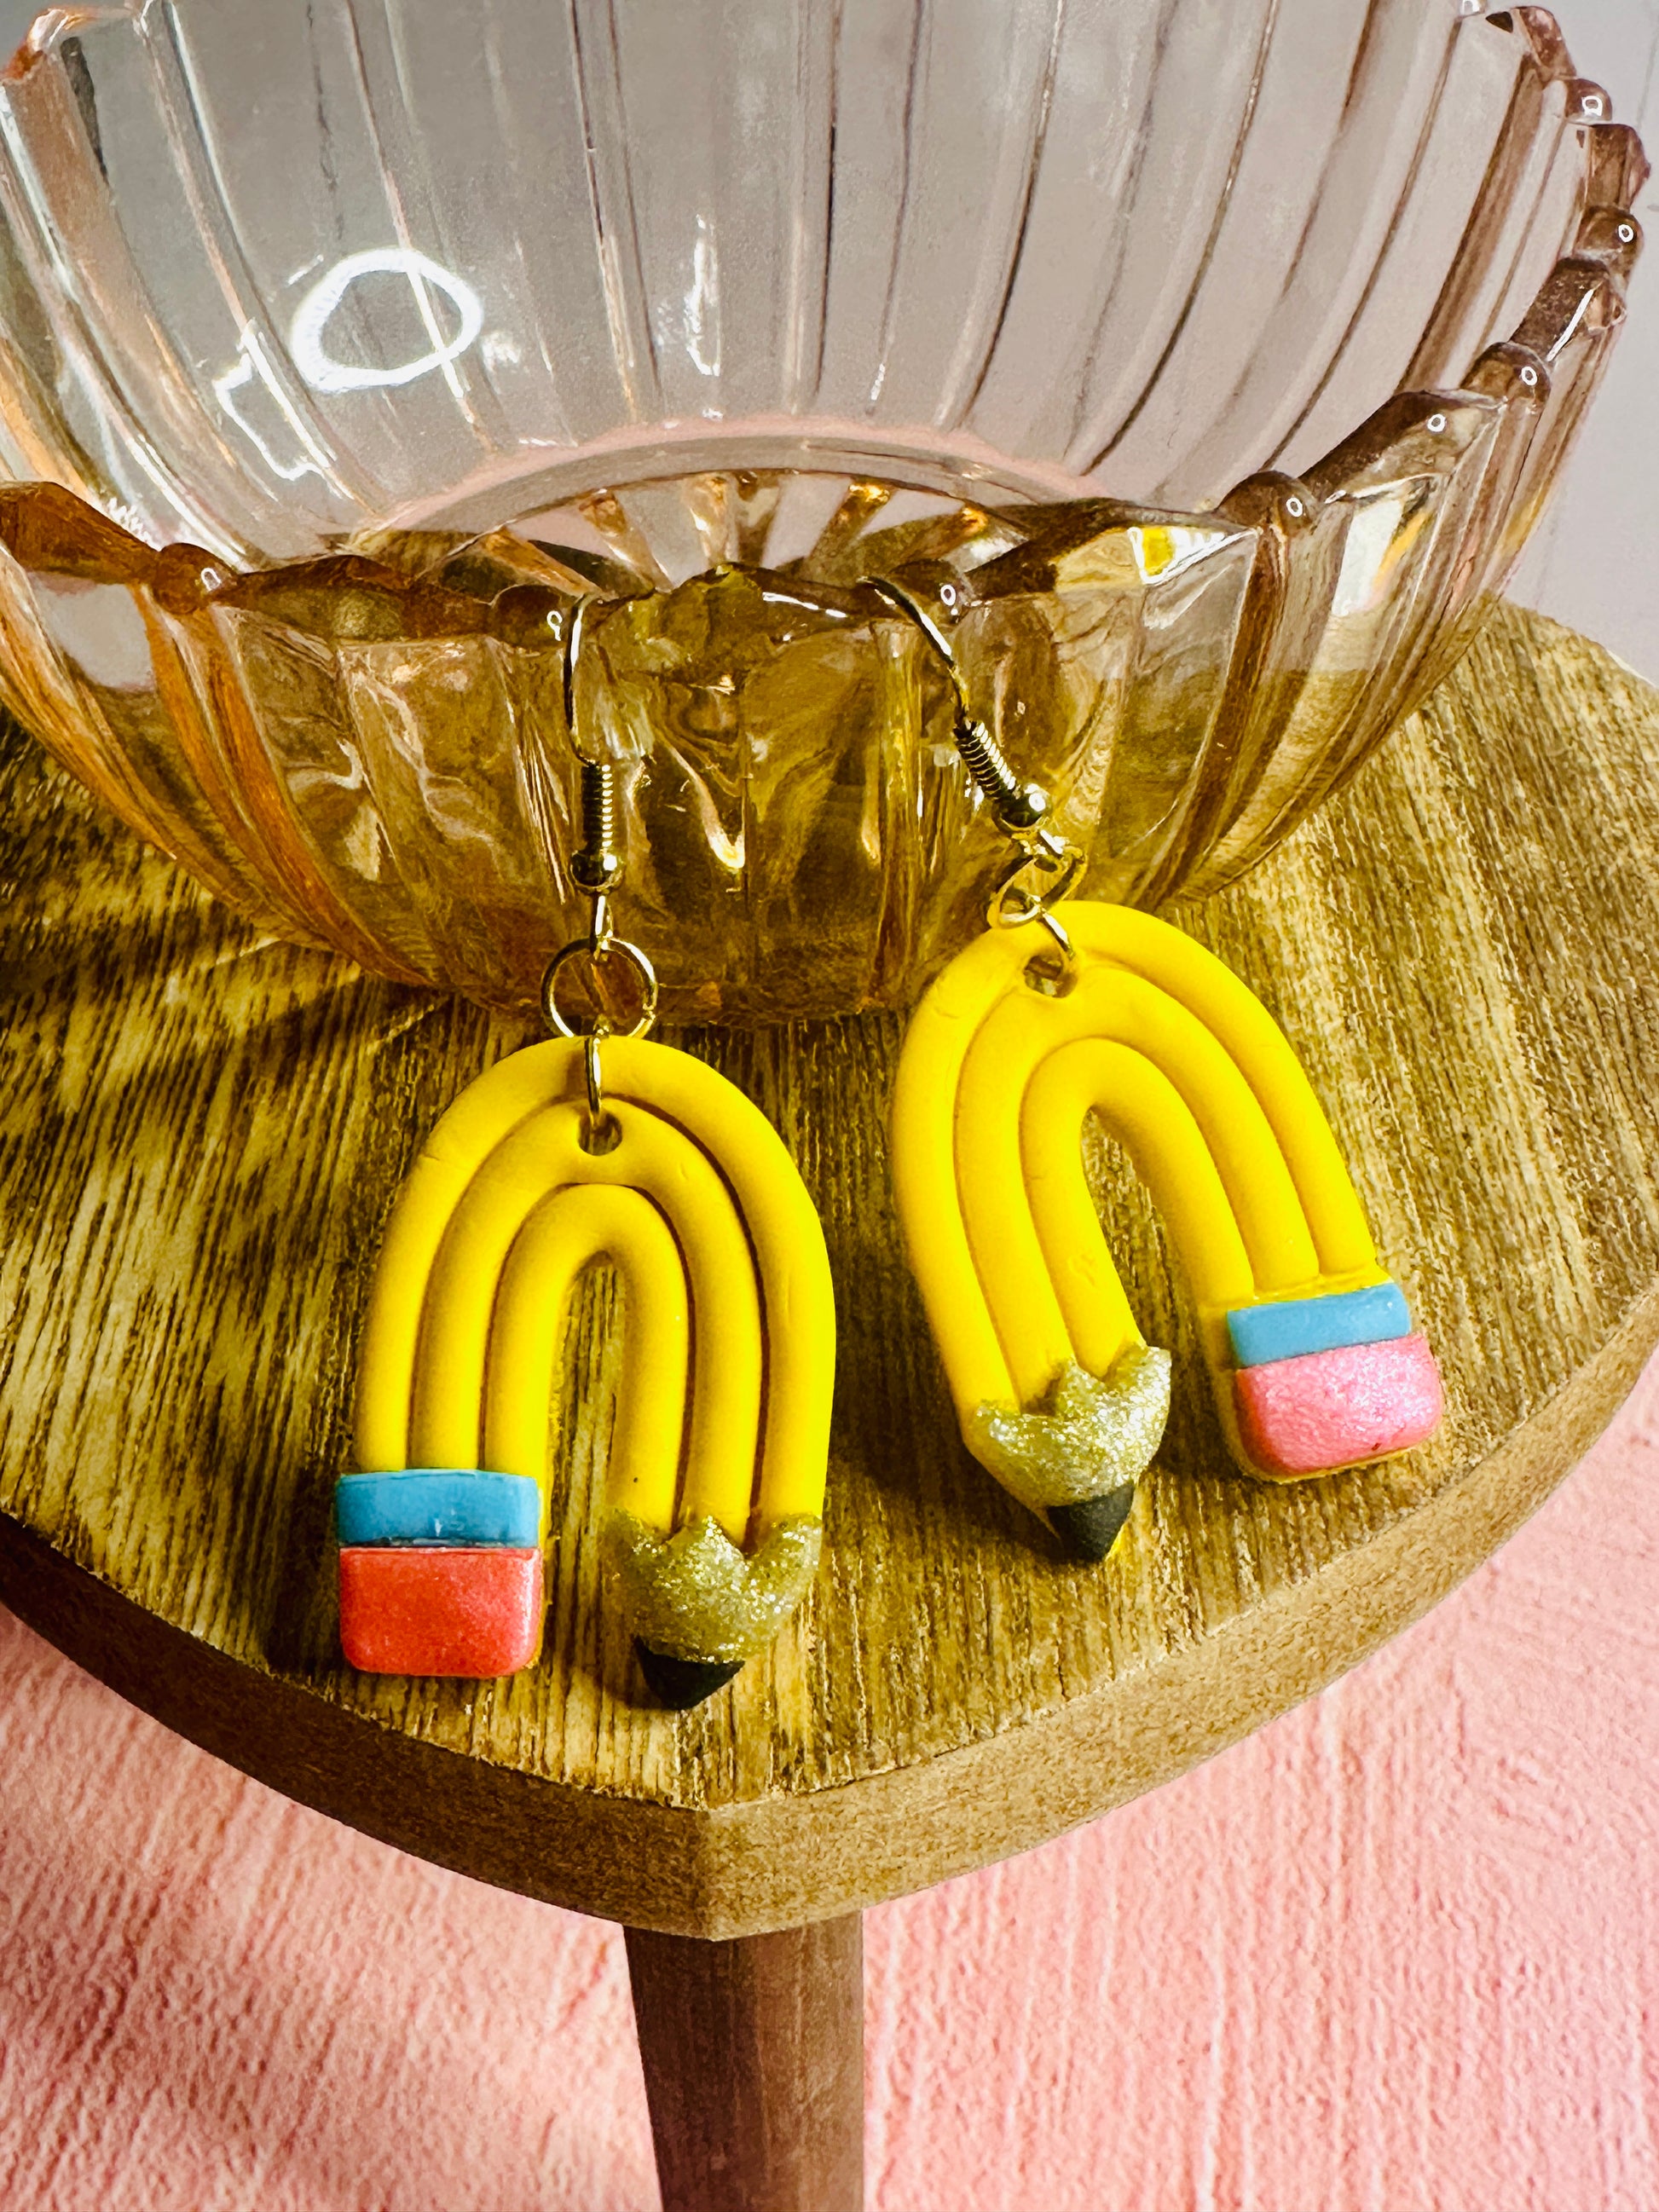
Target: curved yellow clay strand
[563,1236]
[1009,1265]
[1018,1034]
[922,1154]
[544,1154]
[950,1013]
[797,1294]
[1260,1192]
[1241,1025]
[487,1111]
[1142,1109]
[787,1238]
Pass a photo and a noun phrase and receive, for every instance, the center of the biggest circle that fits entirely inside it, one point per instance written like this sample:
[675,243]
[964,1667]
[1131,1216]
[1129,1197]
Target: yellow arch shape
[495,1155]
[561,1236]
[1187,1068]
[1018,1034]
[1143,1109]
[544,1154]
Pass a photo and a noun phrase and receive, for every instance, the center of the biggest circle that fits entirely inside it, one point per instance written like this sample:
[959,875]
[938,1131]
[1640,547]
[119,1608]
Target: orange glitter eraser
[436,1611]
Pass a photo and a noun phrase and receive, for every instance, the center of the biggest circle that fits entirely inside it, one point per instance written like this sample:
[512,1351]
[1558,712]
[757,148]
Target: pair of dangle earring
[595,1145]
[605,1146]
[1310,1346]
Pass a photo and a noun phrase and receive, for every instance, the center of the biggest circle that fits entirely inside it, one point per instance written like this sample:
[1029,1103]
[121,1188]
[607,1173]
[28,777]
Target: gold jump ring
[1012,903]
[584,949]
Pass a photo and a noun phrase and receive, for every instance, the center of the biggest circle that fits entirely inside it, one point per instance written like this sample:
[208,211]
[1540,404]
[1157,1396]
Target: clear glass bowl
[1202,368]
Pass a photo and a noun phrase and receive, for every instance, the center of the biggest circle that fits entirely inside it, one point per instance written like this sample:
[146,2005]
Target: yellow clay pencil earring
[1309,1345]
[590,1146]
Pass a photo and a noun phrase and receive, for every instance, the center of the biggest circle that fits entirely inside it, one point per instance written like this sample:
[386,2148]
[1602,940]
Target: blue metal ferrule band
[443,1505]
[1375,1314]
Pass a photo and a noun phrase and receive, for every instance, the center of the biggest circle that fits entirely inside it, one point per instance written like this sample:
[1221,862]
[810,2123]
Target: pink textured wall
[1399,1952]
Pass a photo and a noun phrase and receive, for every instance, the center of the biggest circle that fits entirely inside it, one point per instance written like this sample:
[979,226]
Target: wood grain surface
[202,1131]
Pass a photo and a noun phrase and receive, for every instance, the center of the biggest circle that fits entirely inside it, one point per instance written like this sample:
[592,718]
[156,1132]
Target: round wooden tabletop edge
[784,1860]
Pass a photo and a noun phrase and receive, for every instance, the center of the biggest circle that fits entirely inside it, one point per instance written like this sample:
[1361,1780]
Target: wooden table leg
[754,2067]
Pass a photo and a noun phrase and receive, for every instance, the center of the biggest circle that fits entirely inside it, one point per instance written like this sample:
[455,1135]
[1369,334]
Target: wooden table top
[202,1131]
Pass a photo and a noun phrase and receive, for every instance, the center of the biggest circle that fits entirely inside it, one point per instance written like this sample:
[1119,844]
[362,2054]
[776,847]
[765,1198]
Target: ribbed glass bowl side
[366,747]
[271,275]
[369,750]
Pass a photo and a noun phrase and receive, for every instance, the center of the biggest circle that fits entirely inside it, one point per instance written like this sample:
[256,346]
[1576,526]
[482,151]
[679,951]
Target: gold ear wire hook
[1021,809]
[572,647]
[596,865]
[596,869]
[591,1072]
[896,596]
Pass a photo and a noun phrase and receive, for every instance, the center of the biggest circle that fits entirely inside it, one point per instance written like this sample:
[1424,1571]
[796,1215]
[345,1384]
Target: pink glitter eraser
[474,1614]
[1328,1409]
